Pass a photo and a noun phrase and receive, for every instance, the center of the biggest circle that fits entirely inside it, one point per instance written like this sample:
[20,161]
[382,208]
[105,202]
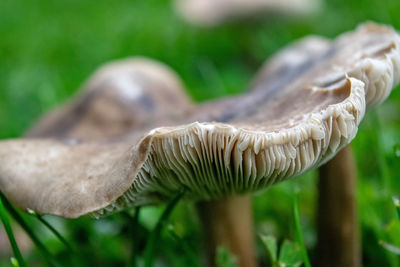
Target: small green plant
[284,255]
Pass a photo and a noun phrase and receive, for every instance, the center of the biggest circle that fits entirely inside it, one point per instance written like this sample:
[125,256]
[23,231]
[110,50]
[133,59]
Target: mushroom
[122,96]
[305,106]
[214,12]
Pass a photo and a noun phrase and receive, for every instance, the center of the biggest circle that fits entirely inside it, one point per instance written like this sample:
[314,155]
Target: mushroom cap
[304,106]
[120,97]
[214,12]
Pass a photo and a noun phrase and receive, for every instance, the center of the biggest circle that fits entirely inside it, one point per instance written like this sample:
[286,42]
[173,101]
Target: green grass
[19,261]
[299,231]
[47,256]
[48,48]
[150,252]
[52,230]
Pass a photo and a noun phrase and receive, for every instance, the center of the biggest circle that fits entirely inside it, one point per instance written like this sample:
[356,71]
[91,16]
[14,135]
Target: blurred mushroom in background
[103,153]
[214,12]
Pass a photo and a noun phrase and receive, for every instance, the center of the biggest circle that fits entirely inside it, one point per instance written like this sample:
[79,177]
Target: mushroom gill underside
[305,105]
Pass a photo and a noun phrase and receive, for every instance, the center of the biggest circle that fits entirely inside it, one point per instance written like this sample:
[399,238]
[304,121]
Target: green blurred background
[48,48]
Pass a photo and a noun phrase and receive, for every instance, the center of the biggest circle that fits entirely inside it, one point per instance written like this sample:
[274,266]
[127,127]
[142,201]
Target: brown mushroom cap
[306,105]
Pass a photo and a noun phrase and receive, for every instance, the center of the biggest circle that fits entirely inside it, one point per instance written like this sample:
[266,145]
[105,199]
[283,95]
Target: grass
[396,202]
[150,250]
[19,261]
[299,232]
[53,230]
[47,256]
[48,48]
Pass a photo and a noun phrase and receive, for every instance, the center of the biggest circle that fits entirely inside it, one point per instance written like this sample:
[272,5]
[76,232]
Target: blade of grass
[185,247]
[52,229]
[299,235]
[396,150]
[396,202]
[10,234]
[381,157]
[390,247]
[133,224]
[48,257]
[14,262]
[155,234]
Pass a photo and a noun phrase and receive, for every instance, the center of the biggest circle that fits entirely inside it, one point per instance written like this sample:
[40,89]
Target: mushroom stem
[338,230]
[229,222]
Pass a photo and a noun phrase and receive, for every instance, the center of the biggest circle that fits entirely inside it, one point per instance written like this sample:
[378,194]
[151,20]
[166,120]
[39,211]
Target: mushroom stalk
[228,222]
[338,231]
